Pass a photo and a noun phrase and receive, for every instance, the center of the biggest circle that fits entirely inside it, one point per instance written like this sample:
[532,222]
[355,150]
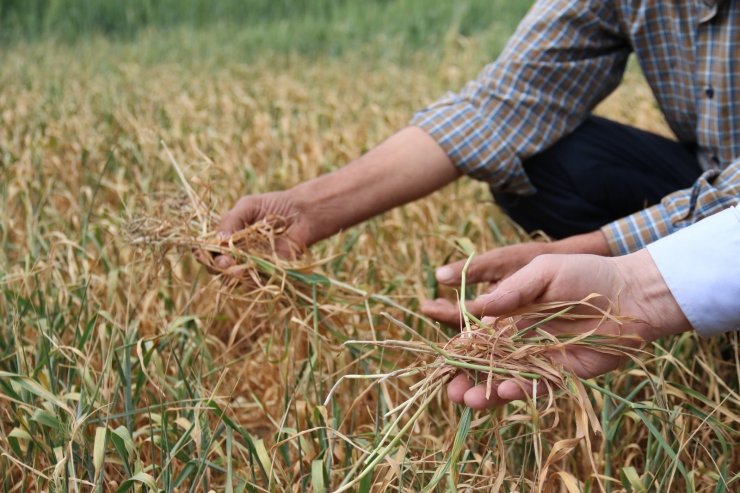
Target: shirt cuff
[634,232]
[470,141]
[701,267]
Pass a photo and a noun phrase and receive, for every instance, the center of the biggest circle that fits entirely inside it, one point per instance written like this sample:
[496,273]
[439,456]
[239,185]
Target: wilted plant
[130,367]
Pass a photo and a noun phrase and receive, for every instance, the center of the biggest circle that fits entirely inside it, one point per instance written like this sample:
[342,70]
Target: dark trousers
[599,173]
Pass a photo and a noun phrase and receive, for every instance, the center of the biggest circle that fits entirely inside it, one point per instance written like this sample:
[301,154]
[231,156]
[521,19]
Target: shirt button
[709,91]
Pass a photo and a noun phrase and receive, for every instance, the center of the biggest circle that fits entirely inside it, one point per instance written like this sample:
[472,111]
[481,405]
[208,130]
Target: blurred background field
[258,27]
[117,373]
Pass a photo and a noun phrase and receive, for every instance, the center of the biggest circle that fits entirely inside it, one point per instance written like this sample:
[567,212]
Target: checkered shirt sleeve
[713,192]
[564,58]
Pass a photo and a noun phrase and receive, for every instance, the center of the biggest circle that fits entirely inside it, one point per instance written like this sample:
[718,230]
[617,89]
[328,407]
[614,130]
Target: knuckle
[474,270]
[481,270]
[489,257]
[244,202]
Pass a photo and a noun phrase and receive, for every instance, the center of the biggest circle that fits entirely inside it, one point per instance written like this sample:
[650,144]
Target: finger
[288,249]
[447,312]
[513,390]
[476,397]
[523,287]
[203,258]
[214,265]
[458,386]
[224,261]
[482,268]
[443,311]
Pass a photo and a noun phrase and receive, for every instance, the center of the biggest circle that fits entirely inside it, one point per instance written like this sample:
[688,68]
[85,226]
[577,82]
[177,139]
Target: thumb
[481,269]
[524,287]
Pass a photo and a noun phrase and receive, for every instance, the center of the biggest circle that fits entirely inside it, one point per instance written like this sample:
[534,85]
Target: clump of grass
[186,222]
[188,225]
[504,348]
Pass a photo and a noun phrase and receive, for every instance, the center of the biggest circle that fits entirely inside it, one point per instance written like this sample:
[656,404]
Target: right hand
[252,208]
[632,283]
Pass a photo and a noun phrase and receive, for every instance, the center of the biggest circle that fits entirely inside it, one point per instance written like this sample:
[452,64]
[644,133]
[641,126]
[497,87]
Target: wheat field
[127,368]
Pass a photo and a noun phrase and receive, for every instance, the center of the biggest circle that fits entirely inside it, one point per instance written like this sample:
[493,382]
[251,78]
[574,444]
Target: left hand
[496,265]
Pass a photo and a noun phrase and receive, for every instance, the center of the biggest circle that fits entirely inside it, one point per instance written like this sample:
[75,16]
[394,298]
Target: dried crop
[124,368]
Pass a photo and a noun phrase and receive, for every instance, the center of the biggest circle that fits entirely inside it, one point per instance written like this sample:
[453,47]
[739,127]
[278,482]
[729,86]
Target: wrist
[593,243]
[646,291]
[318,217]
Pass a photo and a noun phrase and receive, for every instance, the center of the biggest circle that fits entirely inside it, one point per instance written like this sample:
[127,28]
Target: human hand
[253,208]
[496,265]
[632,282]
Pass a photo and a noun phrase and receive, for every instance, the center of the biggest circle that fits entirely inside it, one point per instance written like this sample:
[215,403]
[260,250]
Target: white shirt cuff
[701,266]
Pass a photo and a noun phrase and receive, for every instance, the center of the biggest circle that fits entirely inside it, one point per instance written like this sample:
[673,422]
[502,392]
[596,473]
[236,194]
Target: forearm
[407,166]
[594,243]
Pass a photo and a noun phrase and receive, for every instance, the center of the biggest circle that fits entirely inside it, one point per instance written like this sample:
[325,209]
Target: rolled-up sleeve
[701,266]
[565,57]
[714,191]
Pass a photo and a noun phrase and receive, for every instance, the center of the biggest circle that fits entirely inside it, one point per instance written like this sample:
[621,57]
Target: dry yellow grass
[225,387]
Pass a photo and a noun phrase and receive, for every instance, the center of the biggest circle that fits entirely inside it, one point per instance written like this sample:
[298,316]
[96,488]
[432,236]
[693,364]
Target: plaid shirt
[568,55]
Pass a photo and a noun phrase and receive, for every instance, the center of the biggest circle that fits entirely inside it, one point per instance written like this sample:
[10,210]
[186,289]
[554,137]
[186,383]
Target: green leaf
[249,439]
[180,322]
[317,476]
[123,444]
[18,435]
[311,279]
[140,477]
[457,445]
[262,455]
[122,433]
[34,388]
[663,444]
[631,480]
[366,483]
[99,448]
[47,418]
[189,469]
[465,245]
[229,461]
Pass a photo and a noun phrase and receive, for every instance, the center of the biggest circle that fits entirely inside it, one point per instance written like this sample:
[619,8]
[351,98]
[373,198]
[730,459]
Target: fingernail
[445,274]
